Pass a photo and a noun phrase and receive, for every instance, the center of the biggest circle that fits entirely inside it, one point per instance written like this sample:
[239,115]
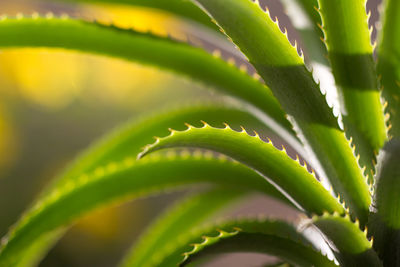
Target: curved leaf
[389,62]
[167,233]
[189,11]
[283,70]
[118,182]
[353,247]
[276,165]
[129,139]
[171,55]
[272,237]
[345,25]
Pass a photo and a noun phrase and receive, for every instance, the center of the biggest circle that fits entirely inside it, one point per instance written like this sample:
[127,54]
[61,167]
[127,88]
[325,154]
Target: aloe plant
[358,217]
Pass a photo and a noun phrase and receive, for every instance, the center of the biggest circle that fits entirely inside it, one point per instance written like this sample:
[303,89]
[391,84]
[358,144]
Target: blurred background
[55,103]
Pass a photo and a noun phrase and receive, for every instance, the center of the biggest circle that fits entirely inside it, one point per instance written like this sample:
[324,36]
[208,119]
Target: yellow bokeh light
[53,78]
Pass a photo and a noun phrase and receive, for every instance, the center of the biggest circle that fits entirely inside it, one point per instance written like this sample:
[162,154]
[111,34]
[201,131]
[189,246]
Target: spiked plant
[360,159]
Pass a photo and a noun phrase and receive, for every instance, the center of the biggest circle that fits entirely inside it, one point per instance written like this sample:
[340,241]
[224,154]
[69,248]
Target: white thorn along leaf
[205,241]
[171,131]
[357,223]
[258,136]
[385,103]
[227,127]
[323,75]
[189,126]
[283,31]
[267,12]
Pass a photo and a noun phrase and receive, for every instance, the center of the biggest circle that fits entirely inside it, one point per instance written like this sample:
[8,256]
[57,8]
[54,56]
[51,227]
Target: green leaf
[384,223]
[38,249]
[275,238]
[389,62]
[345,25]
[191,12]
[283,70]
[171,55]
[276,165]
[117,182]
[388,185]
[129,139]
[353,247]
[172,228]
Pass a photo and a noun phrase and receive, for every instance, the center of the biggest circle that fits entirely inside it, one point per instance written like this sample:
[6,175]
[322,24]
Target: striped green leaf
[283,70]
[389,62]
[345,25]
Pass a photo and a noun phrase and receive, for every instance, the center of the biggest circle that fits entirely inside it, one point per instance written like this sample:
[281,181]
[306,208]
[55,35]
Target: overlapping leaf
[117,182]
[272,237]
[345,25]
[174,56]
[352,244]
[389,62]
[306,19]
[175,227]
[128,140]
[385,221]
[268,49]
